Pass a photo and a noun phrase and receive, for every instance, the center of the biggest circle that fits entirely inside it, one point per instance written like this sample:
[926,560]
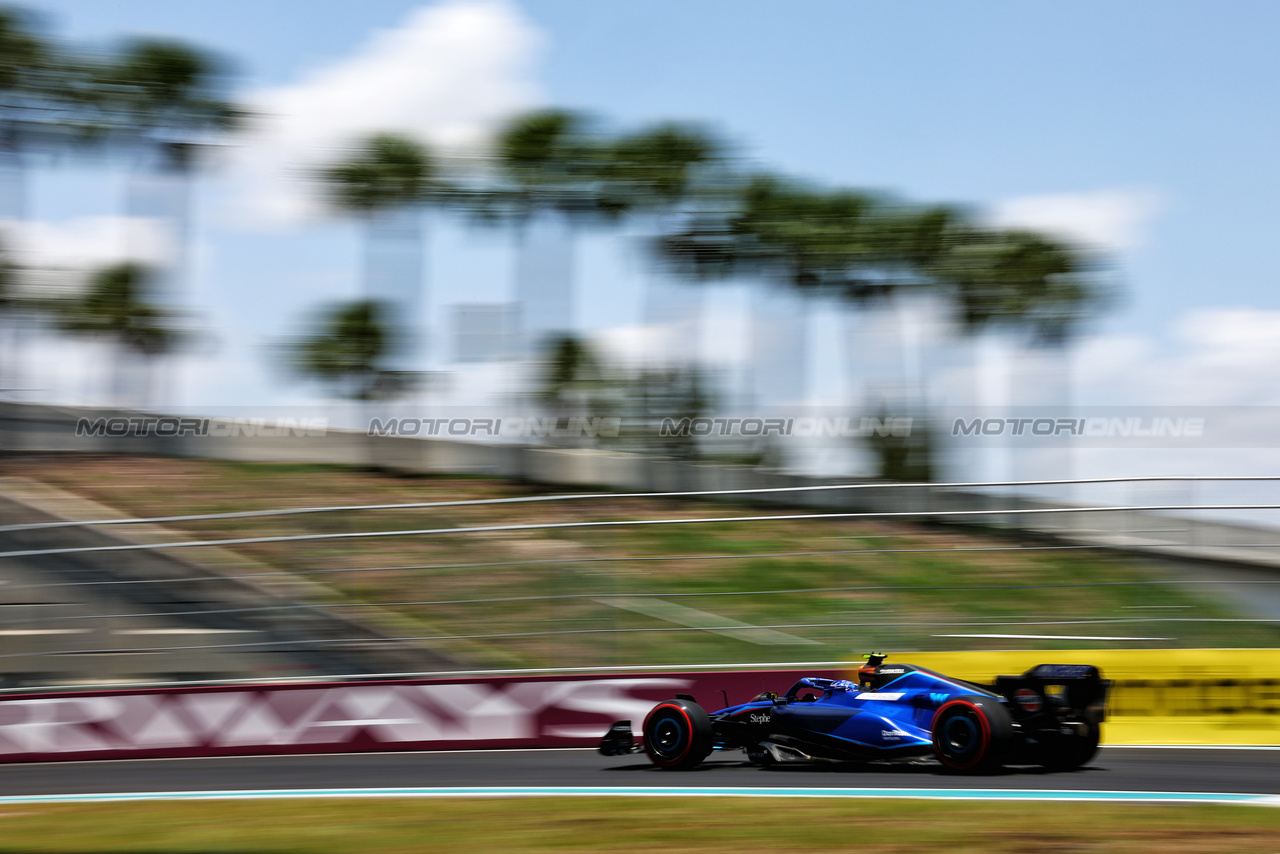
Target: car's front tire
[677,735]
[972,734]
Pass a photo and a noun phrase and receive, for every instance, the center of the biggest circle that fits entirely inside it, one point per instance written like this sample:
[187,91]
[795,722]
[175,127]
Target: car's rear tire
[972,734]
[1070,752]
[677,735]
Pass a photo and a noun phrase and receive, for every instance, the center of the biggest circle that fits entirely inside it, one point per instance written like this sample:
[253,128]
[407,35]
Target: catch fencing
[567,603]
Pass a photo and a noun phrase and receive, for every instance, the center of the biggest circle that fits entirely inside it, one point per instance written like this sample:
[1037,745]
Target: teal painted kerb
[675,791]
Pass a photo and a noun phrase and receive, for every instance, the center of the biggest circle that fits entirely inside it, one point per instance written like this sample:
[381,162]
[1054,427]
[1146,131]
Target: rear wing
[1073,689]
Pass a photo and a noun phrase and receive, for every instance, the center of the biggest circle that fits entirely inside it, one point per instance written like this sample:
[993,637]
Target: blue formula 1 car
[1048,716]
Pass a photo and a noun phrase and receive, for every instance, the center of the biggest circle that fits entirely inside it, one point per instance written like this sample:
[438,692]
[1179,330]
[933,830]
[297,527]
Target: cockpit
[809,689]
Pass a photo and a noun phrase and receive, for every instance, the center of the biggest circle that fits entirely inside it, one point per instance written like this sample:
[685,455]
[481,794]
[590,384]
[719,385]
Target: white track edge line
[995,795]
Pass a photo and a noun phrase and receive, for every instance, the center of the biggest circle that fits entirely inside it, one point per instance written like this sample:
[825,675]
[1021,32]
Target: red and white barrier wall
[477,713]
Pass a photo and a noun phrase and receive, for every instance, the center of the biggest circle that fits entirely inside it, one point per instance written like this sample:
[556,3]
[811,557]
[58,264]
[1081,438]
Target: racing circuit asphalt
[1209,770]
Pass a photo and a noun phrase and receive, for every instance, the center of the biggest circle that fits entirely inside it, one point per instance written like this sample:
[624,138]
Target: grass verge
[565,597]
[670,825]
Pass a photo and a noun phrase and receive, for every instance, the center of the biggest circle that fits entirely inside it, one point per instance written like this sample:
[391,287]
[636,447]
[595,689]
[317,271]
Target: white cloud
[87,243]
[447,74]
[1113,219]
[1213,357]
[1209,357]
[665,345]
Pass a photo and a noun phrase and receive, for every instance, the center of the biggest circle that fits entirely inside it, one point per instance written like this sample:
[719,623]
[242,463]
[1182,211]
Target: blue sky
[1149,125]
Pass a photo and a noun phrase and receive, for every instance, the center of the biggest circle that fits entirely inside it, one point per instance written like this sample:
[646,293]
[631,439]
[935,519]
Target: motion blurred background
[837,242]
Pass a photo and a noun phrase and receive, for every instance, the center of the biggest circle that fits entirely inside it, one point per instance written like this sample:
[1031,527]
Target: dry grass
[710,561]
[706,826]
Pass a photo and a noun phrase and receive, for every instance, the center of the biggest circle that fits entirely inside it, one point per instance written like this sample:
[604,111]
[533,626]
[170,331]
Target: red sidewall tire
[677,735]
[981,726]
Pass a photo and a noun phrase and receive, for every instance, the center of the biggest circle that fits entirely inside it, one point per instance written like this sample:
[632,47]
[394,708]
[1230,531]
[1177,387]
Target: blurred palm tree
[657,168]
[387,175]
[553,172]
[873,252]
[549,161]
[771,227]
[386,182]
[8,282]
[656,174]
[573,378]
[7,276]
[901,248]
[164,101]
[549,177]
[161,103]
[348,351]
[866,249]
[115,308]
[789,239]
[29,71]
[577,384]
[1019,278]
[166,95]
[26,62]
[655,394]
[1039,290]
[387,171]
